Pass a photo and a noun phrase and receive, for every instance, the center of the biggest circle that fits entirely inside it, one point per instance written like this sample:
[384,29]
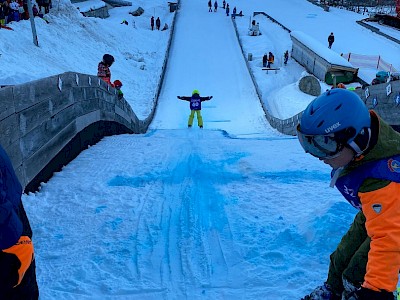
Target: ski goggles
[320,146]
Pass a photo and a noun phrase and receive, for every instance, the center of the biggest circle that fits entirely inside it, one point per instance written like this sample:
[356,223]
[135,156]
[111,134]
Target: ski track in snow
[183,214]
[188,233]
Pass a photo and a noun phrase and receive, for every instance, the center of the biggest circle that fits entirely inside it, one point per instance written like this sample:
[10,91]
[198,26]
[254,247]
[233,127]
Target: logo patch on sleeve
[394,165]
[377,208]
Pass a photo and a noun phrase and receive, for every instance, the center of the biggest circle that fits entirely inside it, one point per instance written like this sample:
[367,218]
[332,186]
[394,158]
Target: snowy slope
[233,211]
[206,56]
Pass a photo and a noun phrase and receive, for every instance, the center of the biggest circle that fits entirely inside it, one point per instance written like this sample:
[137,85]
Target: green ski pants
[350,257]
[199,118]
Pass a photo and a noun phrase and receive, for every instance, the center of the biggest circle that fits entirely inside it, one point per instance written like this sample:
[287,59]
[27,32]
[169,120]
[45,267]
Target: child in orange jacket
[103,69]
[364,154]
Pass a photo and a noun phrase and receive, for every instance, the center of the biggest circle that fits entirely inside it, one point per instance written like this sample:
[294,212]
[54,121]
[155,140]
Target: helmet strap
[361,142]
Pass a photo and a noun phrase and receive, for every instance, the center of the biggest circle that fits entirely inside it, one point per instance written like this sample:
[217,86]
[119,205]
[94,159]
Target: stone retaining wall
[38,119]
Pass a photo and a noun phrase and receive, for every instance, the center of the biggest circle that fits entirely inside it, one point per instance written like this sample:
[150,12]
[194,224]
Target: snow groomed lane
[178,214]
[205,55]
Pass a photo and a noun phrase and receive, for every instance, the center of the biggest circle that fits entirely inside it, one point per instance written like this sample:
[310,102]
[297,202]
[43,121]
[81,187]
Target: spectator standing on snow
[227,9]
[234,13]
[7,10]
[17,260]
[215,6]
[158,23]
[271,59]
[14,11]
[286,57]
[21,10]
[152,22]
[223,4]
[46,5]
[40,5]
[35,10]
[265,60]
[331,39]
[103,69]
[195,106]
[209,6]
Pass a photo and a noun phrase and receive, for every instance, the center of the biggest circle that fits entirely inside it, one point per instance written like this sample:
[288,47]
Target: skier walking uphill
[195,107]
[285,57]
[331,39]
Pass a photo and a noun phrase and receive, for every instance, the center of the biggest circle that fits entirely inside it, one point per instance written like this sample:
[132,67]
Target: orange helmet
[117,83]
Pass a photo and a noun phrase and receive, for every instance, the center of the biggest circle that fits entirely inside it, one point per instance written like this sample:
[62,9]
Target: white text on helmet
[333,127]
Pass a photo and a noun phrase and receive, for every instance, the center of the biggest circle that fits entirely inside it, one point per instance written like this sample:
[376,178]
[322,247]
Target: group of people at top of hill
[157,23]
[224,6]
[16,10]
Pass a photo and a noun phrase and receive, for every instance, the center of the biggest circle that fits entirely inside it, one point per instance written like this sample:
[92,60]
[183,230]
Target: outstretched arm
[186,98]
[206,98]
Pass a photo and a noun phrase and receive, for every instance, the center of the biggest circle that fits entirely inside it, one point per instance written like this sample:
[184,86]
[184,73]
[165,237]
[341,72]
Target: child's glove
[179,97]
[322,292]
[367,294]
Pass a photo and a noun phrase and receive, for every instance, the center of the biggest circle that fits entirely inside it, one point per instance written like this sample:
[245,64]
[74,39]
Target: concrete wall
[46,123]
[309,59]
[322,65]
[38,119]
[287,126]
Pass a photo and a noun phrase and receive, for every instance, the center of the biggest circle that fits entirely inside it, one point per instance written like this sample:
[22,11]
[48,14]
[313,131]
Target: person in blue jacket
[195,106]
[17,264]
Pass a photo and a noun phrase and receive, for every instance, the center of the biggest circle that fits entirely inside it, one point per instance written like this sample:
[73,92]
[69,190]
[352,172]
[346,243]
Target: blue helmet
[341,114]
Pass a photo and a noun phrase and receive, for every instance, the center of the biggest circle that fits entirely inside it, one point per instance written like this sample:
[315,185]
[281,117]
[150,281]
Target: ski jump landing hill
[46,123]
